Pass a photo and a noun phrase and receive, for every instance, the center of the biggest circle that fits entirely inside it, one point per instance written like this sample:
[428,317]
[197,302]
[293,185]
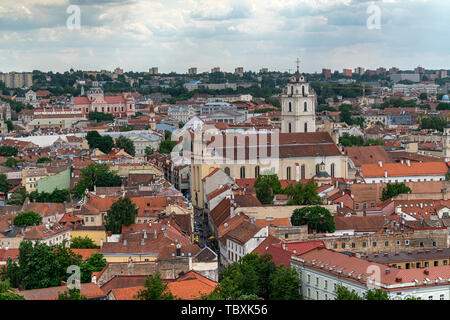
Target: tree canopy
[126,144]
[393,189]
[303,194]
[96,174]
[267,186]
[27,218]
[258,277]
[155,289]
[317,218]
[82,243]
[122,212]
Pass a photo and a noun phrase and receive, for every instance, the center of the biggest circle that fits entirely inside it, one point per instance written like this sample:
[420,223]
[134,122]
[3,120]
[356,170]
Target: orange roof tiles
[403,169]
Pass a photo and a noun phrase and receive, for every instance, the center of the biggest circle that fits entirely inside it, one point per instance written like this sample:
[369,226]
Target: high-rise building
[239,71]
[393,70]
[359,70]
[16,79]
[192,71]
[381,70]
[264,70]
[215,69]
[419,70]
[326,73]
[347,72]
[153,70]
[441,73]
[298,106]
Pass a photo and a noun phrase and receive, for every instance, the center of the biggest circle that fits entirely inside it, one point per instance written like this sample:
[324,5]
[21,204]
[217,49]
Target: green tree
[43,159]
[317,218]
[11,162]
[376,294]
[435,123]
[155,289]
[100,116]
[94,263]
[393,189]
[342,293]
[126,144]
[4,184]
[27,218]
[423,96]
[303,194]
[122,212]
[56,196]
[71,294]
[149,151]
[264,192]
[11,296]
[106,143]
[256,276]
[93,138]
[96,174]
[83,243]
[10,125]
[267,186]
[17,197]
[284,284]
[8,151]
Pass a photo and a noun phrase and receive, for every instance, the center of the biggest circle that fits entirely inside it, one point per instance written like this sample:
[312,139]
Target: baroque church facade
[301,152]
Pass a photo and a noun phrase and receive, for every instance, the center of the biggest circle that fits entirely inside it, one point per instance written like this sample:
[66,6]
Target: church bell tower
[298,105]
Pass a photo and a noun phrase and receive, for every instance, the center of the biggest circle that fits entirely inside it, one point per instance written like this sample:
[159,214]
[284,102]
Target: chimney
[145,233]
[385,173]
[101,242]
[154,234]
[124,242]
[408,163]
[380,163]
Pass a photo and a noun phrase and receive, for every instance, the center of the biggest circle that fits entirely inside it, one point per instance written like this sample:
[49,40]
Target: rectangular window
[386,243]
[374,244]
[436,263]
[441,297]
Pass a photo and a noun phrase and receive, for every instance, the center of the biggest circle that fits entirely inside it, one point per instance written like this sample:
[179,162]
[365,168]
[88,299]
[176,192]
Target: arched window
[317,168]
[242,172]
[305,106]
[256,171]
[332,170]
[290,106]
[288,173]
[306,127]
[290,127]
[303,172]
[227,171]
[303,90]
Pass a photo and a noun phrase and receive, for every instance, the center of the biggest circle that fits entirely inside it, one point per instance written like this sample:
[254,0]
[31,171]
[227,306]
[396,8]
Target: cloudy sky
[177,34]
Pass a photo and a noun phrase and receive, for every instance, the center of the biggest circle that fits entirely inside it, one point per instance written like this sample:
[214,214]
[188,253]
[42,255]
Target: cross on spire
[298,64]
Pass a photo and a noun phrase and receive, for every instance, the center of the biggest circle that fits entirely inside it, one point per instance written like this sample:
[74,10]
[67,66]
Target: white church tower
[298,107]
[446,143]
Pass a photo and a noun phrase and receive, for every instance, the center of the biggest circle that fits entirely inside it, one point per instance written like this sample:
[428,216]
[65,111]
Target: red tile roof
[89,290]
[402,169]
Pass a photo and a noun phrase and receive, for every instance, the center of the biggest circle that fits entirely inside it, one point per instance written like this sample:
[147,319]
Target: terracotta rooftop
[403,169]
[89,290]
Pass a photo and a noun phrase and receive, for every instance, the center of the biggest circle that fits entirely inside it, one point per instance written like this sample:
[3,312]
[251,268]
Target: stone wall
[376,243]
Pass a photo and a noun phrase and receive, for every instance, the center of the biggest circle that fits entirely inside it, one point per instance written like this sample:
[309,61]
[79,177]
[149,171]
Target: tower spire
[298,64]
